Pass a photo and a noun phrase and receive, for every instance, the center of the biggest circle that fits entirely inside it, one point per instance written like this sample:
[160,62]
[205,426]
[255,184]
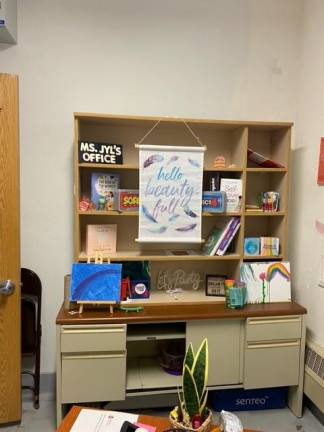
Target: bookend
[98,259]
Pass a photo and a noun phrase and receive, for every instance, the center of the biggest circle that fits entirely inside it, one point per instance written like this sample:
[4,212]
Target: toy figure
[101,203]
[110,201]
[219,162]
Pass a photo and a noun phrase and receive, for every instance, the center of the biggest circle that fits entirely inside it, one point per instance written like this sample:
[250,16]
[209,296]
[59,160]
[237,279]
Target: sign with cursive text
[170,193]
[170,280]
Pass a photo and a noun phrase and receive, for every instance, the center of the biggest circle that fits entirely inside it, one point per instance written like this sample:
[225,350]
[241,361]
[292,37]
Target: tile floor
[43,420]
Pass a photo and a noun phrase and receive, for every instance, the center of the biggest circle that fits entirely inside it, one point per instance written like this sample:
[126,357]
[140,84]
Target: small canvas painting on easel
[95,282]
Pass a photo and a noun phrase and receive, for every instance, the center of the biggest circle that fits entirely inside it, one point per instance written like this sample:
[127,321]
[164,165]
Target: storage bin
[172,356]
[248,400]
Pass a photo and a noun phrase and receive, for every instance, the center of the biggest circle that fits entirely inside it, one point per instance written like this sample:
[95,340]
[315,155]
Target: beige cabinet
[225,338]
[91,363]
[272,352]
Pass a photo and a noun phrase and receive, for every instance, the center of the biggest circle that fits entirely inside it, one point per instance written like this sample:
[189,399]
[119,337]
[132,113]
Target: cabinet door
[225,348]
[93,377]
[271,364]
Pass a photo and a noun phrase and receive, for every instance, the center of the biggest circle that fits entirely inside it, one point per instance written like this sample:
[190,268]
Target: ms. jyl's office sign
[100,153]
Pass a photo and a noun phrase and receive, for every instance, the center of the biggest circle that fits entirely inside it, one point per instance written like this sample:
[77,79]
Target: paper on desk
[101,421]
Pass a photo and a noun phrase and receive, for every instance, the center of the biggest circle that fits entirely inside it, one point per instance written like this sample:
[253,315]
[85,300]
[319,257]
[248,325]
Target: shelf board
[106,213]
[262,258]
[118,213]
[264,214]
[236,169]
[156,256]
[185,297]
[266,170]
[146,373]
[107,166]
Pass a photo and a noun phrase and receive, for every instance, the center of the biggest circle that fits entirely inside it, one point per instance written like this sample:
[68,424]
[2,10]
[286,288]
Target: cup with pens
[235,294]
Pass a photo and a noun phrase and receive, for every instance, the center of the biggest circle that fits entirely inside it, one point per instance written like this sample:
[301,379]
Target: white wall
[307,198]
[224,59]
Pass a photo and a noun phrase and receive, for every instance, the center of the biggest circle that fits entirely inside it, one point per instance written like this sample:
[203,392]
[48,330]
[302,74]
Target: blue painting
[96,282]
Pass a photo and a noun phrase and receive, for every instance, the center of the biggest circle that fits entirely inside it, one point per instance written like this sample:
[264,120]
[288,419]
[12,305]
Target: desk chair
[31,330]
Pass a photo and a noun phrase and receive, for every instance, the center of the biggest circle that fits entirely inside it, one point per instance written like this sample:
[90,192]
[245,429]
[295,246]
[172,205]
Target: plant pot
[205,427]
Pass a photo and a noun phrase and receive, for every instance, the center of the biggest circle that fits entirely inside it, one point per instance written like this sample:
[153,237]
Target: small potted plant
[192,413]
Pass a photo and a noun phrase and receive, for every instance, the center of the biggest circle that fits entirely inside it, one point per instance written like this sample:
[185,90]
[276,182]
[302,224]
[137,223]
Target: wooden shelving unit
[230,139]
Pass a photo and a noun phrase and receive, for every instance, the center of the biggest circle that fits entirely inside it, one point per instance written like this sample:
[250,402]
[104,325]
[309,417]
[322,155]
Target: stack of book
[219,239]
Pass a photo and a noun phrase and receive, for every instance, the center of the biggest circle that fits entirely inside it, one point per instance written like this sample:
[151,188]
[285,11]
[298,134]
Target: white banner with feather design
[170,193]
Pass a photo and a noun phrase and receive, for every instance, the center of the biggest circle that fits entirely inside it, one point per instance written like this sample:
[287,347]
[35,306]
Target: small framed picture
[215,285]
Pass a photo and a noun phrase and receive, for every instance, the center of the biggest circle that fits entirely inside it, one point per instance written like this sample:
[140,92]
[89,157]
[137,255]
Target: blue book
[104,186]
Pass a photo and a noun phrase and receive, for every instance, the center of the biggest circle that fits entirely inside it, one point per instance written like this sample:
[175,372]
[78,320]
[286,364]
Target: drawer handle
[273,345]
[89,331]
[92,356]
[274,321]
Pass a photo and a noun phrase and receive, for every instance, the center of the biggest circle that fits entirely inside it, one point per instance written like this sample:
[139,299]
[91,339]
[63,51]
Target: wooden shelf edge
[118,213]
[264,214]
[262,258]
[266,170]
[136,257]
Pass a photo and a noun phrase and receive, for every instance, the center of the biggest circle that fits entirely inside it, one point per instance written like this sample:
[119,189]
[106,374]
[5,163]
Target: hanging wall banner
[170,193]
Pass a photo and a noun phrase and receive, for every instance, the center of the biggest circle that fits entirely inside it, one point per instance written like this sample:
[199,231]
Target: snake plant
[194,381]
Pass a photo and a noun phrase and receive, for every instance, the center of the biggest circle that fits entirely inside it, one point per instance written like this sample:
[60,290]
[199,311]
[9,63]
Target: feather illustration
[172,159]
[160,230]
[148,215]
[193,163]
[187,228]
[152,159]
[189,212]
[173,217]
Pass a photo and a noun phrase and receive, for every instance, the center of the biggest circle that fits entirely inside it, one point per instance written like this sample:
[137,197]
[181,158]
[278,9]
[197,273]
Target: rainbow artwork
[267,282]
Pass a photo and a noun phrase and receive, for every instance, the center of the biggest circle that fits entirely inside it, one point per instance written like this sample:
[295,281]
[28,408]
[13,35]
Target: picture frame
[215,285]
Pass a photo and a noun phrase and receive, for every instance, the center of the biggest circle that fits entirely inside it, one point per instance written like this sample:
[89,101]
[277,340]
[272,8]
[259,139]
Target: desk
[160,423]
[109,357]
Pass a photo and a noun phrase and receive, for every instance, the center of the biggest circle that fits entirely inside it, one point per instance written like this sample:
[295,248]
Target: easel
[98,259]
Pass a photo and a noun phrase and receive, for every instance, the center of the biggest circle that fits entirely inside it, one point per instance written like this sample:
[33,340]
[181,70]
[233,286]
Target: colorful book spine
[229,235]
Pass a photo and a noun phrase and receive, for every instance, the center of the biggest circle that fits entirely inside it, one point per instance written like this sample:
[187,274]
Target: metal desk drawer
[273,328]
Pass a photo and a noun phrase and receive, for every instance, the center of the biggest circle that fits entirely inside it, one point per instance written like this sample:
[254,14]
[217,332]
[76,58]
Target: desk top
[179,312]
[160,423]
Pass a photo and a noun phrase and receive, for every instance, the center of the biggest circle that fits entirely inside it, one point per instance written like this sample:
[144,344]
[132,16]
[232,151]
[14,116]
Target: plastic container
[172,357]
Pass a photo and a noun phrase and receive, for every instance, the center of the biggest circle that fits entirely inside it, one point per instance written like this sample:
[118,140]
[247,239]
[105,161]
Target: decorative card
[96,282]
[267,282]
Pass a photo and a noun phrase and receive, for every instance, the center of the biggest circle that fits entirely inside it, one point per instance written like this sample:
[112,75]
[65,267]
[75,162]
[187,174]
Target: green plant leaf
[203,402]
[189,357]
[200,368]
[190,393]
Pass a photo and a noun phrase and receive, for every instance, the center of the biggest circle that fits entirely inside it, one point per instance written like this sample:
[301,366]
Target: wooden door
[10,392]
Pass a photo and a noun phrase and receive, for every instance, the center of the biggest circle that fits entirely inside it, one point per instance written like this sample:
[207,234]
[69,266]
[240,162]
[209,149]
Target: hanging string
[158,122]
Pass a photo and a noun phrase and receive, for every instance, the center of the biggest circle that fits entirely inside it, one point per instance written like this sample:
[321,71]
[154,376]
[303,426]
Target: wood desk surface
[160,423]
[178,312]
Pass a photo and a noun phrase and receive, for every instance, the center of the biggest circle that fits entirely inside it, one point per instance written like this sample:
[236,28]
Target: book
[104,189]
[233,190]
[92,420]
[212,242]
[229,235]
[269,246]
[101,238]
[214,181]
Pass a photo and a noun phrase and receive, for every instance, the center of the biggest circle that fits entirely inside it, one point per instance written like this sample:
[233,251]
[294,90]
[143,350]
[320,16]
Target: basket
[205,427]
